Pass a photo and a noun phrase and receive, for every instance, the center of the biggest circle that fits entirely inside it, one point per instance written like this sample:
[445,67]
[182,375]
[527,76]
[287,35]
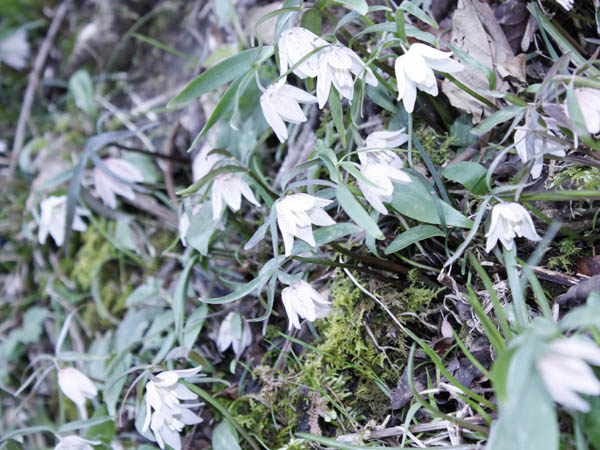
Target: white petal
[289,110]
[323,83]
[409,96]
[306,234]
[287,298]
[319,217]
[372,197]
[273,118]
[297,94]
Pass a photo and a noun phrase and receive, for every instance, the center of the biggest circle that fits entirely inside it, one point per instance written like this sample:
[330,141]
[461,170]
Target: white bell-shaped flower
[565,371]
[226,338]
[296,213]
[76,386]
[230,187]
[14,49]
[337,65]
[294,44]
[53,216]
[280,102]
[589,103]
[163,395]
[414,70]
[301,300]
[380,188]
[377,148]
[566,4]
[108,187]
[542,145]
[74,442]
[510,220]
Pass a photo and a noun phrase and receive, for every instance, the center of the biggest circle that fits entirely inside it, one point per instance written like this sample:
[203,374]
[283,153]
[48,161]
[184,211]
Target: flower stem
[521,310]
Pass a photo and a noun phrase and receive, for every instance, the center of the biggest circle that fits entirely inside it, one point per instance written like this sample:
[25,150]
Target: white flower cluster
[165,414]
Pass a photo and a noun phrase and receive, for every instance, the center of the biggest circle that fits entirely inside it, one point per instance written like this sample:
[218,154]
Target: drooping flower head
[377,148]
[510,220]
[589,103]
[380,188]
[565,371]
[414,70]
[165,414]
[280,102]
[296,213]
[294,44]
[230,187]
[337,65]
[77,387]
[566,4]
[301,300]
[542,145]
[226,338]
[108,186]
[53,217]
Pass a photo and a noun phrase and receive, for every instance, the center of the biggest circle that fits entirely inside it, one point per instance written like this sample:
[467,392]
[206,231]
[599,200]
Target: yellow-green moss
[93,251]
[338,386]
[436,145]
[580,177]
[568,251]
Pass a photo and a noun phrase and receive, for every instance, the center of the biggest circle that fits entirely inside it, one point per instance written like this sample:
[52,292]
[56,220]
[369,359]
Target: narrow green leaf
[413,9]
[356,212]
[222,73]
[180,296]
[312,20]
[412,235]
[500,116]
[360,6]
[335,105]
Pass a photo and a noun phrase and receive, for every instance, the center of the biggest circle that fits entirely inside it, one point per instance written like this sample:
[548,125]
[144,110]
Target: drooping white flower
[74,442]
[230,187]
[280,102]
[566,4]
[225,336]
[163,395]
[510,220]
[76,386]
[380,166]
[14,49]
[184,226]
[294,44]
[415,69]
[565,371]
[300,299]
[108,187]
[542,145]
[53,216]
[380,189]
[296,213]
[336,65]
[589,103]
[377,148]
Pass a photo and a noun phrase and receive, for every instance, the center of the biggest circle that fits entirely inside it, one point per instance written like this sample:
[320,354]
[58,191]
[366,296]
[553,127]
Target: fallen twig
[32,84]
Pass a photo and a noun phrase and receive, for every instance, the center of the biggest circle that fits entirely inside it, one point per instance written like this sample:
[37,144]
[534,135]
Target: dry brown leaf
[476,31]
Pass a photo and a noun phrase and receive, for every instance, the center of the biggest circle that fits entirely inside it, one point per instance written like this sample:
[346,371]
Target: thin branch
[32,84]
